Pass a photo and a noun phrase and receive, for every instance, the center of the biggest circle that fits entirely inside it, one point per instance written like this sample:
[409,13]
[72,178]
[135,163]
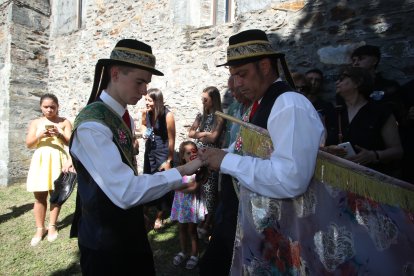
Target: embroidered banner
[350,221]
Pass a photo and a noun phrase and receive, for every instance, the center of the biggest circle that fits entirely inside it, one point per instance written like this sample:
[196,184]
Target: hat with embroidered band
[253,45]
[249,46]
[127,52]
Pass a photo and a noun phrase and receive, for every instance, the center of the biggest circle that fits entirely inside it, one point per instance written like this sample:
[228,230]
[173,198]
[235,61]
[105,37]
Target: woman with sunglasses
[370,127]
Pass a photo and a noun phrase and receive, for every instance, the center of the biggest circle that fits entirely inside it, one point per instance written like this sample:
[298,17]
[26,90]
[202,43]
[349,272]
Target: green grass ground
[61,257]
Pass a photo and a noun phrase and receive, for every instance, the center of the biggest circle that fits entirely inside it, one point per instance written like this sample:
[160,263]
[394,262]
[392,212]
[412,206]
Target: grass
[61,257]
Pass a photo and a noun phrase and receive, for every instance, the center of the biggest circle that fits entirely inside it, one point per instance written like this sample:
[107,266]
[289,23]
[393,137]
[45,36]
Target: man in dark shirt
[325,109]
[368,57]
[385,90]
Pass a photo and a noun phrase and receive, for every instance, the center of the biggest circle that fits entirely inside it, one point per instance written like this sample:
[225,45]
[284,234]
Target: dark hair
[273,65]
[181,159]
[368,50]
[214,95]
[297,77]
[156,95]
[49,96]
[123,68]
[362,78]
[315,70]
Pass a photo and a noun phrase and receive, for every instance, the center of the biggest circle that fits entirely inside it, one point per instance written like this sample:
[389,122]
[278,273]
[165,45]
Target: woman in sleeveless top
[370,127]
[158,128]
[48,135]
[207,131]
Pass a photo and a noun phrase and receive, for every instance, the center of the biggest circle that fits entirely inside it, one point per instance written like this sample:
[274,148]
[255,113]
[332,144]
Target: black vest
[98,223]
[265,107]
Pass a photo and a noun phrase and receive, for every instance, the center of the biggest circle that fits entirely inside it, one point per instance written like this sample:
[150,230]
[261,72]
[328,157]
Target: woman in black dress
[369,126]
[158,126]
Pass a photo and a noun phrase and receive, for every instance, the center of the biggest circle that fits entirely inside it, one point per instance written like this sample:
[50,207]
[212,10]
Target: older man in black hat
[293,124]
[111,228]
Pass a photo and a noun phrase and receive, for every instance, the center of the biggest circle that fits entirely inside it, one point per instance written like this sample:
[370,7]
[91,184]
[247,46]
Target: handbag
[64,186]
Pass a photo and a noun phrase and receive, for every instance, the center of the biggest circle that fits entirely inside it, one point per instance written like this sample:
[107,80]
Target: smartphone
[349,149]
[47,127]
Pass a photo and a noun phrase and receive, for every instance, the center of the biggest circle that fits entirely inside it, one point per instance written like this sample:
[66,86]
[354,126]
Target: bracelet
[377,156]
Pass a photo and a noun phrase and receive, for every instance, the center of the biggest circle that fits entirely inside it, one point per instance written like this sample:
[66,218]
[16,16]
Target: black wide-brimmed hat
[127,52]
[249,46]
[253,45]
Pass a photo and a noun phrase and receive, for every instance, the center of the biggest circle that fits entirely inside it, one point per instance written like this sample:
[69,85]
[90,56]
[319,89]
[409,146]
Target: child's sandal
[179,259]
[192,262]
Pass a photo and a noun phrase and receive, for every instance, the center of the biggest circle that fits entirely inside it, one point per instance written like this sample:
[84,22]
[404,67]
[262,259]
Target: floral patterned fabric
[326,231]
[188,207]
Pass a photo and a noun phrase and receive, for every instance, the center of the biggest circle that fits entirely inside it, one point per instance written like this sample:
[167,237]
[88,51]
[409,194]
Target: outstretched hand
[212,158]
[190,167]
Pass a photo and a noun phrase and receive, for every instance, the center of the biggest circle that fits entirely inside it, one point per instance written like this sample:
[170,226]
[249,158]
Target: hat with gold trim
[253,45]
[249,46]
[127,52]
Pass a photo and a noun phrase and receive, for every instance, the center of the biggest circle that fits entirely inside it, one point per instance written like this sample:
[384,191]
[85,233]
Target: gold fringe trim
[340,173]
[363,182]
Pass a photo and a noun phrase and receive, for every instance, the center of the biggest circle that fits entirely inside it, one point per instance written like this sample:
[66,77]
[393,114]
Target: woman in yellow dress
[48,135]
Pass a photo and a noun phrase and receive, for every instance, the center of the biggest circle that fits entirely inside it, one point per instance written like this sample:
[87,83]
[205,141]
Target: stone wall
[311,33]
[25,76]
[5,42]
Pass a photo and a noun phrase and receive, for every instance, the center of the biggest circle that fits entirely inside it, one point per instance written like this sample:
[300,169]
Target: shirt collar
[278,79]
[117,107]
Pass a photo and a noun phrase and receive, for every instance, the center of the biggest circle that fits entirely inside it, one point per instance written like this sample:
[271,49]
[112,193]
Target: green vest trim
[122,135]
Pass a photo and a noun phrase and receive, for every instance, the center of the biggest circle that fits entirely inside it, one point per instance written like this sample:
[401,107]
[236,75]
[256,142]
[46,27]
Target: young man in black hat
[293,124]
[110,227]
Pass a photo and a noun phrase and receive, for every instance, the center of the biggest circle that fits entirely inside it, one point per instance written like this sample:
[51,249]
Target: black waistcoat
[100,224]
[265,107]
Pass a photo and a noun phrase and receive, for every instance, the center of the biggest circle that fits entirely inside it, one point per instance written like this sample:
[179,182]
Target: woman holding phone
[48,135]
[370,127]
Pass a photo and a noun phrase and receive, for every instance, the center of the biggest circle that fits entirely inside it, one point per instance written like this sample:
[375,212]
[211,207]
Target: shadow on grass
[165,245]
[67,221]
[16,212]
[72,269]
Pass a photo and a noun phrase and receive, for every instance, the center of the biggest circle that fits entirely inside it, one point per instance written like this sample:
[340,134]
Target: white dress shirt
[93,146]
[296,132]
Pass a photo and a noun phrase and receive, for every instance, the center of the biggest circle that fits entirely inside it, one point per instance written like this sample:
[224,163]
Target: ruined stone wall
[4,90]
[312,34]
[25,69]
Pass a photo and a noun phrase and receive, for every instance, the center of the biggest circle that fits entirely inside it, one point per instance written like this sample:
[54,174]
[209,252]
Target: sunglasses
[343,76]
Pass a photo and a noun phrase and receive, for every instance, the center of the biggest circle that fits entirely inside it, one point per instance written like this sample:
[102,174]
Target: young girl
[188,209]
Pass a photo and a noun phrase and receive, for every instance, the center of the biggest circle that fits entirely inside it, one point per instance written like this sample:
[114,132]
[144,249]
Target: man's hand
[190,167]
[212,158]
